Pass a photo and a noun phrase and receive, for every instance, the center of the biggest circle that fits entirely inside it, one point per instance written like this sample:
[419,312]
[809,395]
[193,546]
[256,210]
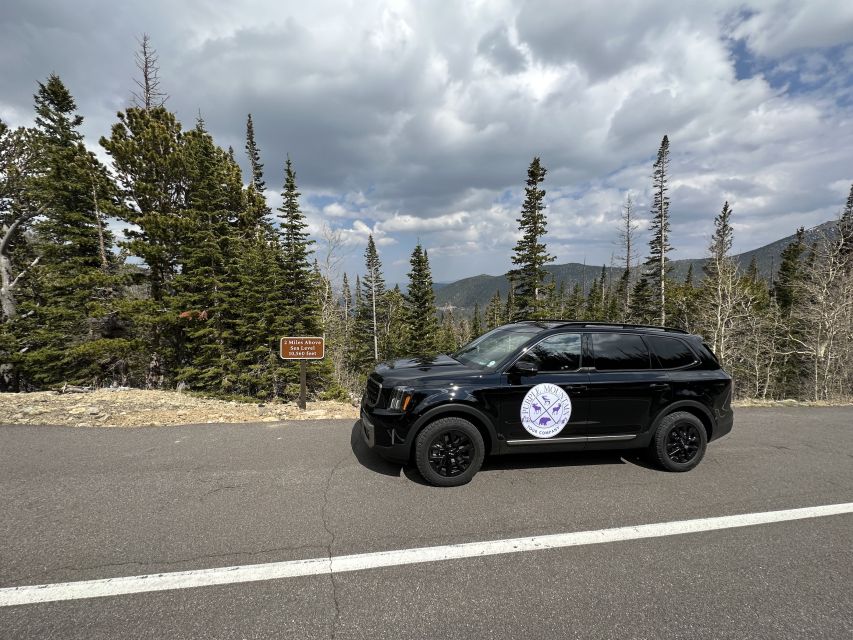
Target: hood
[414,370]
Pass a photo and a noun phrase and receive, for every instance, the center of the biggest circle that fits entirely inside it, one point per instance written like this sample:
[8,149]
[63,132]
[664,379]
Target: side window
[560,352]
[619,351]
[671,353]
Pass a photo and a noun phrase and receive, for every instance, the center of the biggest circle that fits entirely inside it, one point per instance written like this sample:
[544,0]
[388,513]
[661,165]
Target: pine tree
[642,302]
[150,162]
[596,300]
[370,314]
[395,330]
[420,314]
[254,277]
[257,209]
[494,312]
[200,300]
[254,154]
[510,308]
[845,228]
[476,322]
[447,341]
[657,263]
[789,277]
[299,312]
[530,253]
[751,270]
[575,303]
[721,243]
[71,329]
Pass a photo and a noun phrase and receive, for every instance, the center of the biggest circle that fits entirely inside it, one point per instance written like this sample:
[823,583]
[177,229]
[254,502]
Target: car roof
[549,324]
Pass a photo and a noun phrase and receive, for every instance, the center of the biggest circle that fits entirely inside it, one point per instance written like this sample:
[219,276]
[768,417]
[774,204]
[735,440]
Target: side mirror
[525,368]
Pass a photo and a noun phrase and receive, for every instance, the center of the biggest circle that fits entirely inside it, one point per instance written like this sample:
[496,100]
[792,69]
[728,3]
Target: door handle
[577,387]
[659,385]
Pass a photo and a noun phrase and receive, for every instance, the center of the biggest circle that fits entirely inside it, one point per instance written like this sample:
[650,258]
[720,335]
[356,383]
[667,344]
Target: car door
[625,392]
[538,399]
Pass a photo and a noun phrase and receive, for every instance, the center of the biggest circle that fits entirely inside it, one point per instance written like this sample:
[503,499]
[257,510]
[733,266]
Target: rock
[93,411]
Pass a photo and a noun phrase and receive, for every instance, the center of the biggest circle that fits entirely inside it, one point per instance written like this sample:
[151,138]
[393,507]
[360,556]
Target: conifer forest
[208,277]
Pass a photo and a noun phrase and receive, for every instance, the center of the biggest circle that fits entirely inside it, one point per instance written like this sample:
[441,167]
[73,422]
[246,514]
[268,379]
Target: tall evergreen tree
[643,309]
[494,312]
[395,338]
[420,314]
[150,162]
[845,228]
[200,299]
[575,303]
[255,166]
[530,253]
[476,322]
[789,277]
[370,314]
[256,210]
[657,262]
[511,307]
[299,312]
[72,331]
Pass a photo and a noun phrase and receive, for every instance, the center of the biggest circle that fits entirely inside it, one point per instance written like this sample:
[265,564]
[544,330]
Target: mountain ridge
[466,292]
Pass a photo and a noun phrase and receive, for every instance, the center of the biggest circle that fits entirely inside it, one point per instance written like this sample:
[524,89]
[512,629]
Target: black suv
[550,385]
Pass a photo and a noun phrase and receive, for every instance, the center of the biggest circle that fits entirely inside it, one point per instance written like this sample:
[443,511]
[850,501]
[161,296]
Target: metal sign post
[302,348]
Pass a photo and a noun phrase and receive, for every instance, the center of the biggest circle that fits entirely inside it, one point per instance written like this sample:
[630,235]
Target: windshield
[494,346]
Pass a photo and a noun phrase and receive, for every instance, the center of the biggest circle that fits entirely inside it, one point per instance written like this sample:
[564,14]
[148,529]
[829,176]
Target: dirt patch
[138,408]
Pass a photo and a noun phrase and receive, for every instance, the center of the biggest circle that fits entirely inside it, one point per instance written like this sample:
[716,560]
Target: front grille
[372,392]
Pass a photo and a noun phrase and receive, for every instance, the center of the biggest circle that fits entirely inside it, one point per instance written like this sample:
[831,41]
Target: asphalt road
[81,504]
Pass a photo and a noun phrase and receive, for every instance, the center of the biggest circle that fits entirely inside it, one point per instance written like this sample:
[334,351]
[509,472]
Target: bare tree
[148,94]
[722,289]
[8,280]
[16,210]
[627,231]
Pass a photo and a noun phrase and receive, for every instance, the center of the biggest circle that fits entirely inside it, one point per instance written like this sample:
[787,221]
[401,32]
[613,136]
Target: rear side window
[671,353]
[560,352]
[619,352]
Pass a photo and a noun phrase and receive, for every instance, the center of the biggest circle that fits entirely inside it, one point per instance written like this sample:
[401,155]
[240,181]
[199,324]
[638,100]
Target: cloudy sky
[417,120]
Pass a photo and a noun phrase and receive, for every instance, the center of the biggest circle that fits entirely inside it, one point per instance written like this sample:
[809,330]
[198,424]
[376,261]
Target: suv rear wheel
[679,442]
[449,452]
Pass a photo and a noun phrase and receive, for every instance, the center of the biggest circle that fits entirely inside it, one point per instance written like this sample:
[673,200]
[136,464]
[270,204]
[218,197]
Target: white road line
[12,596]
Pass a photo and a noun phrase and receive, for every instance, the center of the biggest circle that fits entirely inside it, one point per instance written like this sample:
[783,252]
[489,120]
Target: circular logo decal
[545,410]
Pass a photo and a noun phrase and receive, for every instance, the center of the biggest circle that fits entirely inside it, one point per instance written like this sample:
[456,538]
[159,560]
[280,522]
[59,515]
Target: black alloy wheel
[682,443]
[450,453]
[679,441]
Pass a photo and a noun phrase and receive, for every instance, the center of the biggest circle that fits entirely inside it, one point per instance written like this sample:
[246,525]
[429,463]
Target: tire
[449,452]
[679,442]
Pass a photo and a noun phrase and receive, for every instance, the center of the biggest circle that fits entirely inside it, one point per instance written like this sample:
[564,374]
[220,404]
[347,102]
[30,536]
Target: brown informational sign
[302,348]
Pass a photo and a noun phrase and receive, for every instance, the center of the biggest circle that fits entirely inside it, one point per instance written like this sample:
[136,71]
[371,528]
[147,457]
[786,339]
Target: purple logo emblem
[545,410]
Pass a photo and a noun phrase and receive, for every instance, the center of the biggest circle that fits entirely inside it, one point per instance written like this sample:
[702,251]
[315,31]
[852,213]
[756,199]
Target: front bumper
[384,439]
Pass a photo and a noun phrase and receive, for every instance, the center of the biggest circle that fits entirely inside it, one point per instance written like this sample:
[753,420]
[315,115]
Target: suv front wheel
[449,452]
[679,442]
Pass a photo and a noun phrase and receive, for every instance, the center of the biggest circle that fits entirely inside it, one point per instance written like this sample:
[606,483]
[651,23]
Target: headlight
[401,398]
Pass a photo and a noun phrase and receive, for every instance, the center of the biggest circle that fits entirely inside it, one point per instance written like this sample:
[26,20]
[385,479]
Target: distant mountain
[466,292]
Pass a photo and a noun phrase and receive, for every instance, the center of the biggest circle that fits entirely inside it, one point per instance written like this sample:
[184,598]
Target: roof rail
[615,325]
